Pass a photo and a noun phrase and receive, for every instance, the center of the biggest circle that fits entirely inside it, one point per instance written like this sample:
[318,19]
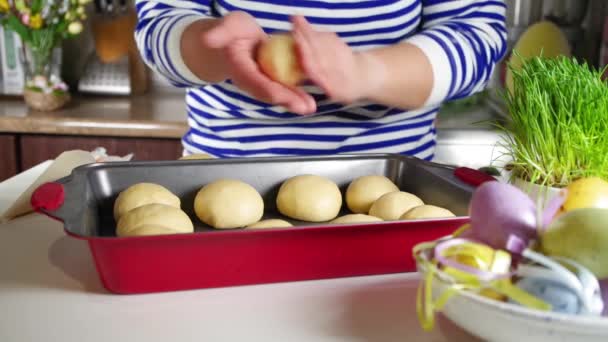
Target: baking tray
[212,258]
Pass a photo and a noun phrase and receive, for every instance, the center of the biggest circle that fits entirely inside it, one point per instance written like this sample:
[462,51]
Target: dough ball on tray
[391,206]
[309,198]
[152,219]
[426,212]
[141,194]
[271,223]
[364,191]
[356,218]
[228,204]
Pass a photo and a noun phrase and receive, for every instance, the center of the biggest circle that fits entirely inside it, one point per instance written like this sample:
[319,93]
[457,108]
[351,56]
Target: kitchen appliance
[115,66]
[216,258]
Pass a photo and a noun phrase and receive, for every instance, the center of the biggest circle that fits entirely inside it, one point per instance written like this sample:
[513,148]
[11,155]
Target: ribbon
[486,272]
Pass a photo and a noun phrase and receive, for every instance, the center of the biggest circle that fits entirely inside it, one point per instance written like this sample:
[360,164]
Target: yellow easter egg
[591,192]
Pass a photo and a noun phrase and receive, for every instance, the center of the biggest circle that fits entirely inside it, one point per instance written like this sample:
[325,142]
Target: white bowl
[497,321]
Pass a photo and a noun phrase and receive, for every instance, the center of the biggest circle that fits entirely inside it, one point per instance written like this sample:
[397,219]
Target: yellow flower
[36,21]
[4,7]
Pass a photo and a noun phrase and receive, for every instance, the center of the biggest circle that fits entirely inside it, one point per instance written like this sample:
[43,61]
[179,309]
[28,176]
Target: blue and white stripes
[463,39]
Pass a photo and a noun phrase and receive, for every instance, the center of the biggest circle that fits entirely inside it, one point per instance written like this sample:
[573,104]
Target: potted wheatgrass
[558,127]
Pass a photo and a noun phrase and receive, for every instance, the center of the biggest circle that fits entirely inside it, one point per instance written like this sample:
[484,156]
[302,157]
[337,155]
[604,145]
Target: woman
[378,70]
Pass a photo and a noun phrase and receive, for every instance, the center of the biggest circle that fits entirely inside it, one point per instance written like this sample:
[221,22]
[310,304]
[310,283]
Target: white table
[50,291]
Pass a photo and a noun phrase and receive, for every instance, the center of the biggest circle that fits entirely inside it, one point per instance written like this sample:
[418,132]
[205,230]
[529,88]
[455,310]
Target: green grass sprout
[558,127]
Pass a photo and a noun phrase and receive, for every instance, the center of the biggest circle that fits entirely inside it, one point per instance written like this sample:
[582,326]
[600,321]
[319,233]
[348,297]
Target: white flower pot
[540,194]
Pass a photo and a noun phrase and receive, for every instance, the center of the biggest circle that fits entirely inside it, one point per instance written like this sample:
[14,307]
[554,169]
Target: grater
[106,78]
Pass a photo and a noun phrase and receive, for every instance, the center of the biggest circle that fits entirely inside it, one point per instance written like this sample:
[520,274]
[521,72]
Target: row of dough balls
[227,204]
[149,209]
[370,198]
[379,197]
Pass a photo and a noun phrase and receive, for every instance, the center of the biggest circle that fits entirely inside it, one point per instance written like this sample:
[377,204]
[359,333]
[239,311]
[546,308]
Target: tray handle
[49,199]
[472,177]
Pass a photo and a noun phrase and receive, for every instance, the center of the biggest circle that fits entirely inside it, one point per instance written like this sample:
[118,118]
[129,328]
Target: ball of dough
[426,212]
[309,198]
[356,218]
[273,223]
[228,203]
[144,217]
[364,191]
[278,59]
[152,229]
[392,205]
[196,156]
[141,194]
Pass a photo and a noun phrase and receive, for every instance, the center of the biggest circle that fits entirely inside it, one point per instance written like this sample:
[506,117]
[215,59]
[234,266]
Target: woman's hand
[344,75]
[238,36]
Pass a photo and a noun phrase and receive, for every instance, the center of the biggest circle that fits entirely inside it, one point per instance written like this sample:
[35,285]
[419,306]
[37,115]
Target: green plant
[558,130]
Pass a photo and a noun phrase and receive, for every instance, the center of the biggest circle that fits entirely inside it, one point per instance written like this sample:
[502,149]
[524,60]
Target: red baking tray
[210,258]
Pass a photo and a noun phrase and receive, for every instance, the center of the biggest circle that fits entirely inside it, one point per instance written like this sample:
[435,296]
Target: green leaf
[37,6]
[62,27]
[14,24]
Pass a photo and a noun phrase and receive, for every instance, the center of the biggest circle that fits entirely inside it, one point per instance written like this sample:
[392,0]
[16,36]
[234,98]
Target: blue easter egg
[561,298]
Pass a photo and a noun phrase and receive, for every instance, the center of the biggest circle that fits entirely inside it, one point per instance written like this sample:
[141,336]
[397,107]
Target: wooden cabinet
[38,148]
[21,152]
[8,156]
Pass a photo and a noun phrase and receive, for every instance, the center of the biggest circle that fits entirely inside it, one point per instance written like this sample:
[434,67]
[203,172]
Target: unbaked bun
[364,191]
[392,205]
[356,218]
[309,198]
[154,219]
[228,203]
[426,212]
[271,223]
[277,58]
[142,194]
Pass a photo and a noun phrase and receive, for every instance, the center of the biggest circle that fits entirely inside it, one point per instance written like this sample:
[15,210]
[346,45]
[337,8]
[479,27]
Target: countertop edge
[97,127]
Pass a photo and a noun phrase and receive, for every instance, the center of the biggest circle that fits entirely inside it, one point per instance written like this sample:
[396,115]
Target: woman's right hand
[238,35]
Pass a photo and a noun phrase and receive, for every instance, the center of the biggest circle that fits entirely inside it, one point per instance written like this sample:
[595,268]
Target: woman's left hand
[328,62]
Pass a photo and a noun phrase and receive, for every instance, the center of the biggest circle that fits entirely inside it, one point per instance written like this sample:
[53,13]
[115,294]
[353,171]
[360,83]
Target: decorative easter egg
[502,216]
[591,192]
[580,235]
[561,298]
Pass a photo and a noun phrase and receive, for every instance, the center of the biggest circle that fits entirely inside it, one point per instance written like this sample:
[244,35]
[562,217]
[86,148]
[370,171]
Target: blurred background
[103,51]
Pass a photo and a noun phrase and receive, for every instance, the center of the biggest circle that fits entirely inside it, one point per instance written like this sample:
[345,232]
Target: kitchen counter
[161,115]
[145,116]
[129,124]
[50,291]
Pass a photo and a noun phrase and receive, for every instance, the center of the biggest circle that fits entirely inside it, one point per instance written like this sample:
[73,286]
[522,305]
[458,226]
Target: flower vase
[44,89]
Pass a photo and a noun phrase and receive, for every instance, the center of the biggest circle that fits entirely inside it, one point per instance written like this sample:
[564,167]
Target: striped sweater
[463,39]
